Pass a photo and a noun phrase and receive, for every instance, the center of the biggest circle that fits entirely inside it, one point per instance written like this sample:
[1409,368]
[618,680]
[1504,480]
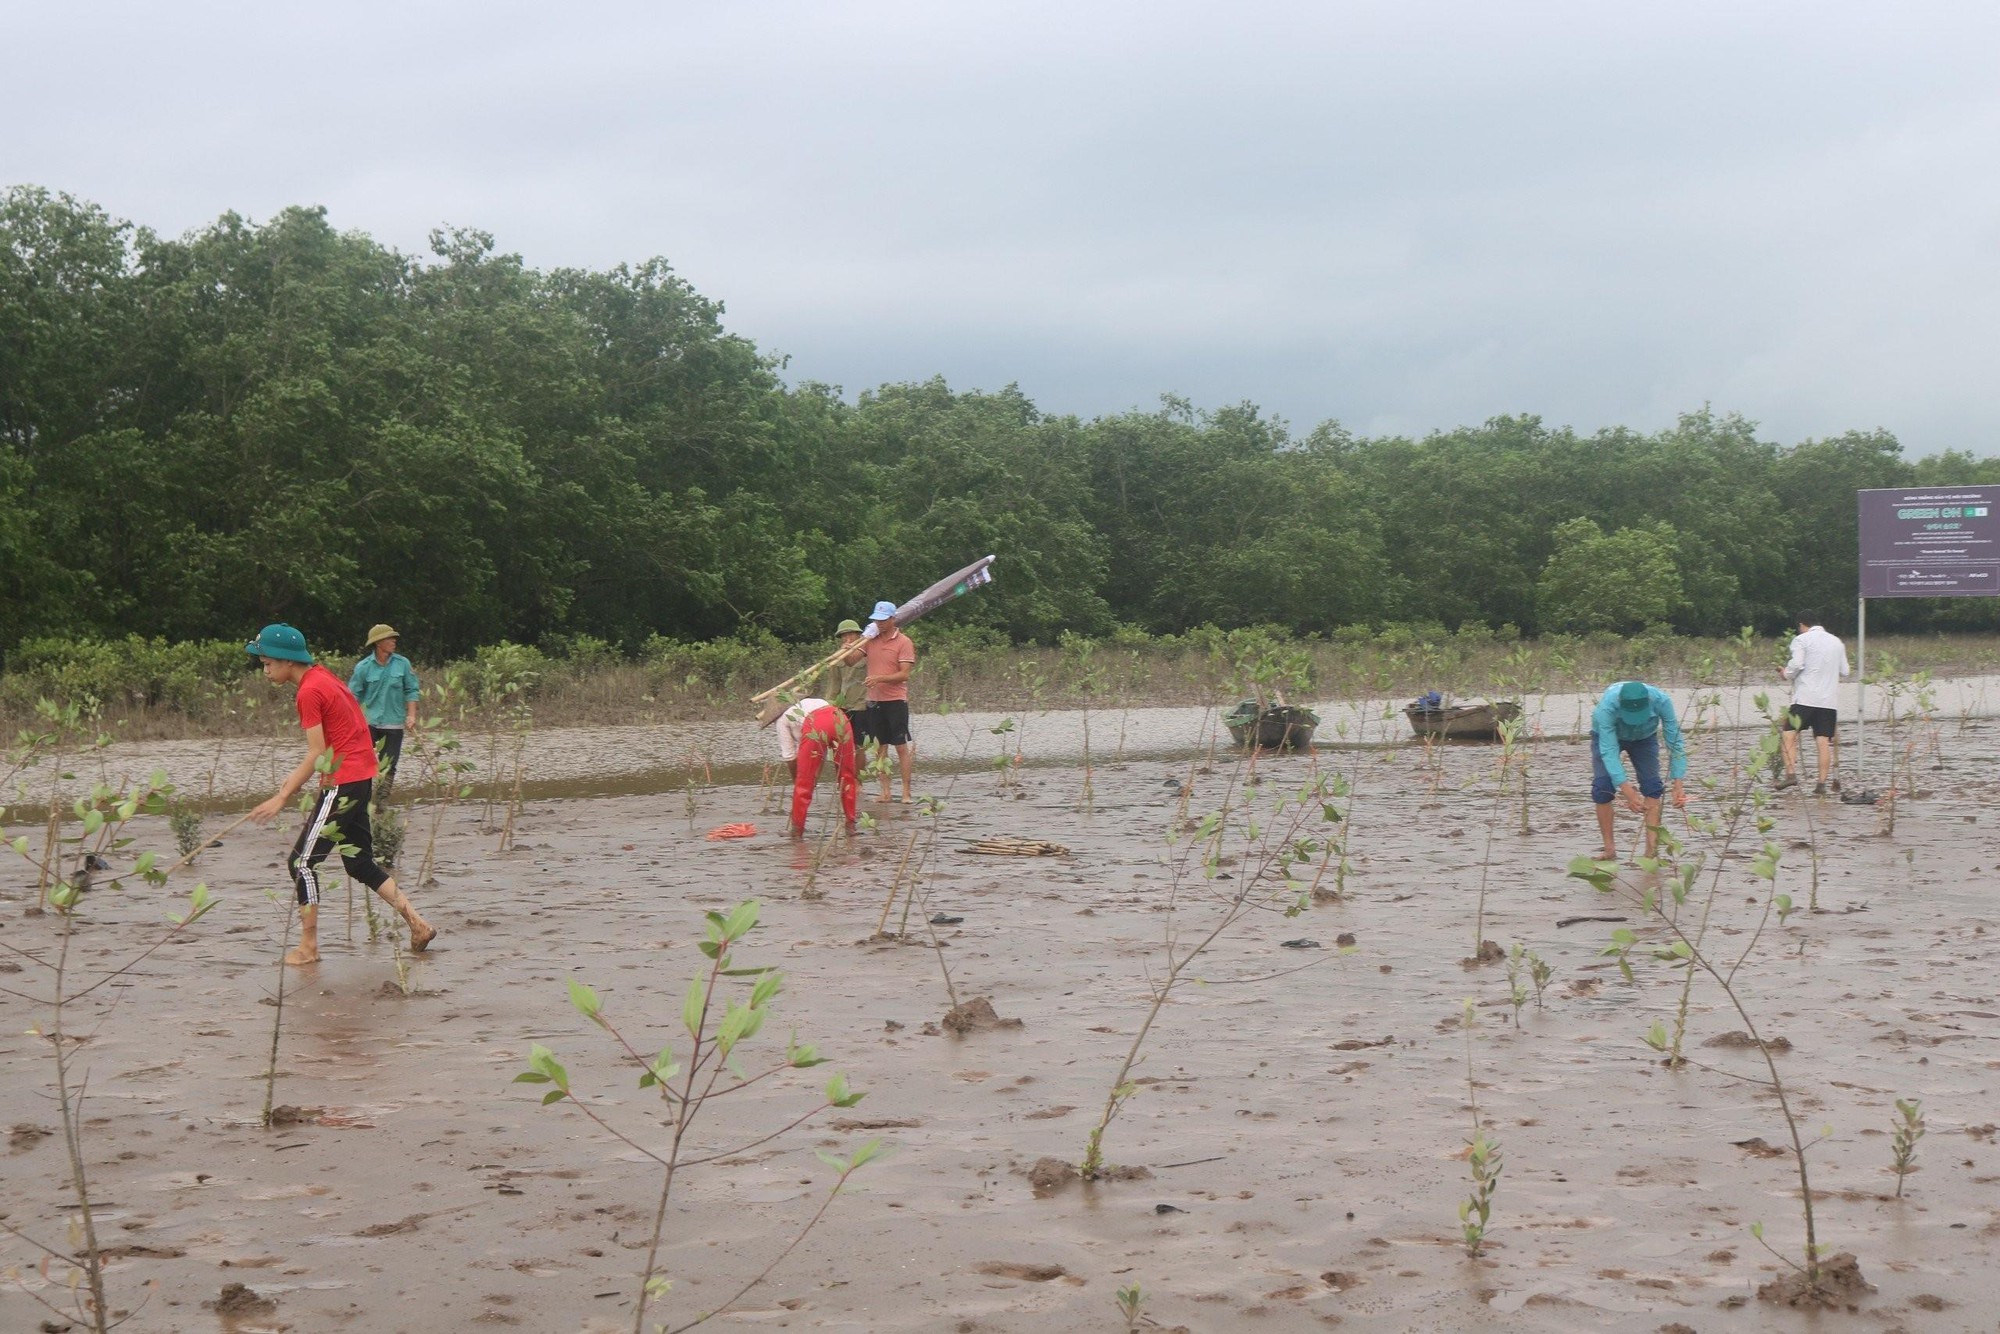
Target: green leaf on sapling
[693,1006]
[586,1002]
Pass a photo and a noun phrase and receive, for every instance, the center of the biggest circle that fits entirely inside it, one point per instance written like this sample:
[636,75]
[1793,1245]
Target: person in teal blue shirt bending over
[386,685]
[1631,718]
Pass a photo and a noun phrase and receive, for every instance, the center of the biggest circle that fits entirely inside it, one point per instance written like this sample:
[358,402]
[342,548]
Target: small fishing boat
[1431,717]
[1272,727]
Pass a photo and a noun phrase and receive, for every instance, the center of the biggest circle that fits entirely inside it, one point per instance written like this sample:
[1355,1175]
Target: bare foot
[300,955]
[422,933]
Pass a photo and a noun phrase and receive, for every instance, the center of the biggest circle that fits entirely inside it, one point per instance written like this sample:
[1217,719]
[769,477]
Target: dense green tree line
[249,422]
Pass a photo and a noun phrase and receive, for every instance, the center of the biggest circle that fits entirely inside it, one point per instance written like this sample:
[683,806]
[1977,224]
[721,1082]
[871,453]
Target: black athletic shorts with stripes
[338,819]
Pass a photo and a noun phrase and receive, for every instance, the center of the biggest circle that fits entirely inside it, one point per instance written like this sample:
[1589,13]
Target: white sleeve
[789,729]
[1797,663]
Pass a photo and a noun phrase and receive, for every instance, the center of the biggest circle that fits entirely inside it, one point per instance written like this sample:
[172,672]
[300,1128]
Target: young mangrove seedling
[718,1026]
[1686,950]
[1517,986]
[1541,975]
[1273,848]
[1482,1156]
[1130,1303]
[1909,1129]
[101,818]
[185,822]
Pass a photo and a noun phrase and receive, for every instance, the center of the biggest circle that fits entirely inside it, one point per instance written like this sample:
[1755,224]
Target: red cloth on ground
[825,729]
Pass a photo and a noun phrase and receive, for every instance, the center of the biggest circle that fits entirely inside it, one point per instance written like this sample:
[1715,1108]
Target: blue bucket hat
[1635,703]
[884,611]
[279,641]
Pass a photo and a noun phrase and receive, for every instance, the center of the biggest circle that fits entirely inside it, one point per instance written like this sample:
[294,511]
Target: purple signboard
[1940,542]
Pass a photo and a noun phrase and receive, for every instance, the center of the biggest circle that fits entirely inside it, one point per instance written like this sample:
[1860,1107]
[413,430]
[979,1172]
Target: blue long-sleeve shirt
[1609,729]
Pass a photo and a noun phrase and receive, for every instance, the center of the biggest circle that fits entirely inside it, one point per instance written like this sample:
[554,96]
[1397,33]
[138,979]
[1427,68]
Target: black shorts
[1810,717]
[337,813]
[862,720]
[890,721]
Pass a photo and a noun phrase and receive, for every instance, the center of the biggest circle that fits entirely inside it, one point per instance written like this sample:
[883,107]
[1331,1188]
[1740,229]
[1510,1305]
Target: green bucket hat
[1635,703]
[850,626]
[279,641]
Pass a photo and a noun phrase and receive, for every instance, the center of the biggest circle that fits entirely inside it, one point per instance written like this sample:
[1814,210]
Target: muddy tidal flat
[1301,1111]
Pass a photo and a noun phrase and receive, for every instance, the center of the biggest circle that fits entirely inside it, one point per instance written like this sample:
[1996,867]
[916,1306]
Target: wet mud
[1300,1115]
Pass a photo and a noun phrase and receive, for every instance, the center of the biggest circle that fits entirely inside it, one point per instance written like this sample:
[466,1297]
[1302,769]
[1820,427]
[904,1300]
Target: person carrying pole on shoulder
[850,682]
[1631,719]
[1818,662]
[386,685]
[891,658]
[333,722]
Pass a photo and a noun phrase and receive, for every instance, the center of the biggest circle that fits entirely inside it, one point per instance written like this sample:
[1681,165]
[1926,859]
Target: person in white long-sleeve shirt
[1817,664]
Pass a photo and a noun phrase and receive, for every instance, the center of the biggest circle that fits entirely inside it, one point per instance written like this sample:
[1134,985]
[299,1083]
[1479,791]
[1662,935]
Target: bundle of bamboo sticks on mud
[1002,846]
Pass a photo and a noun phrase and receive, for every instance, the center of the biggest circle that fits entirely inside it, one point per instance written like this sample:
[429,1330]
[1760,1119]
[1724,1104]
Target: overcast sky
[1405,216]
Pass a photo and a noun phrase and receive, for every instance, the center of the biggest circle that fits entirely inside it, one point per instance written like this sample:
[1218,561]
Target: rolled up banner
[975,575]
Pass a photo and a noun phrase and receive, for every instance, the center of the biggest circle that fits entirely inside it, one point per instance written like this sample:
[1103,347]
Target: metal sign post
[1937,542]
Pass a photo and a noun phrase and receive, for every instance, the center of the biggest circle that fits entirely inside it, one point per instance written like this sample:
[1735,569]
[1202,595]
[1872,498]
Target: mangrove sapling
[1033,683]
[1267,848]
[1686,951]
[1680,873]
[1812,855]
[390,830]
[1541,974]
[1514,763]
[278,1000]
[1482,1155]
[717,1027]
[1003,763]
[524,721]
[1332,844]
[1089,680]
[1503,767]
[185,823]
[1517,988]
[442,765]
[1131,1303]
[1909,1128]
[102,816]
[930,808]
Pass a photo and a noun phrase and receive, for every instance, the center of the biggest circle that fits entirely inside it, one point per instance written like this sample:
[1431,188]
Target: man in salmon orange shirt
[333,721]
[891,658]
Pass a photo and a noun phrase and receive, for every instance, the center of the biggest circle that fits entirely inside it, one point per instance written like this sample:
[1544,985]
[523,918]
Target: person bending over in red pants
[808,730]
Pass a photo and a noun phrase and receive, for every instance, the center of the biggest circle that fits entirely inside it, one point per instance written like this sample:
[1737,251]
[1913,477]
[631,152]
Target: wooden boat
[1462,722]
[1275,727]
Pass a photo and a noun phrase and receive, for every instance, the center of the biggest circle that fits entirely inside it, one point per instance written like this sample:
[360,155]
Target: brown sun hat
[380,633]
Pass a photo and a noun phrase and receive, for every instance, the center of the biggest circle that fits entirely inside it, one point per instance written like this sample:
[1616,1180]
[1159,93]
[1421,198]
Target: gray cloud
[1405,216]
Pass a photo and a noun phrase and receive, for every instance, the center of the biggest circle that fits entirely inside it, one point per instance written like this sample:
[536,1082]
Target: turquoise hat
[884,611]
[1635,703]
[279,641]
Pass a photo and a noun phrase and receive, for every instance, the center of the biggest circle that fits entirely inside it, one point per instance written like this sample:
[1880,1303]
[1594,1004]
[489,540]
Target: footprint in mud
[1027,1273]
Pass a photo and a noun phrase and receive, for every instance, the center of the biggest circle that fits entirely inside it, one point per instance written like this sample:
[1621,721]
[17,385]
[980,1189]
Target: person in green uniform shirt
[386,685]
[849,679]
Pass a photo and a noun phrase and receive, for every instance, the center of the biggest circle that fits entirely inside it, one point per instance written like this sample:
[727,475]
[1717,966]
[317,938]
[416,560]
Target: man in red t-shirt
[891,658]
[333,722]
